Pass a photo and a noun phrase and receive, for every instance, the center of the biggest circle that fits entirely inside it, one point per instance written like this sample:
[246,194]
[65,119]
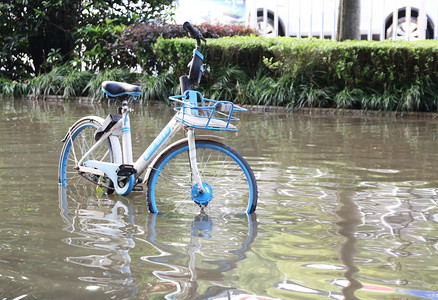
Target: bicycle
[197,170]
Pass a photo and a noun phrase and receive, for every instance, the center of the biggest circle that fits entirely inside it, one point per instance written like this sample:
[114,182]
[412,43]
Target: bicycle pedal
[137,188]
[125,170]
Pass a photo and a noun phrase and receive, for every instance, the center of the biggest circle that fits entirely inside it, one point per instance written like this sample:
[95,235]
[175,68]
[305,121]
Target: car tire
[268,29]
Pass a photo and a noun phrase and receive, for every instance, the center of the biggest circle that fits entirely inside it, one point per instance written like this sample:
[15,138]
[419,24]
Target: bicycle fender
[197,138]
[87,118]
[117,148]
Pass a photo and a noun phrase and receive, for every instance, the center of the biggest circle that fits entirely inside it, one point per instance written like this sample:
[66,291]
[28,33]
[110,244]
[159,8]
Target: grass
[73,84]
[232,83]
[159,87]
[226,81]
[49,83]
[13,88]
[349,98]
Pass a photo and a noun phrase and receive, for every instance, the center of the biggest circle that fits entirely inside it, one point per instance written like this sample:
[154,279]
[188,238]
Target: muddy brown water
[347,209]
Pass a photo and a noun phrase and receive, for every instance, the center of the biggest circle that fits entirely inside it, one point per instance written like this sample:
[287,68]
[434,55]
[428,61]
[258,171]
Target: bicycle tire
[78,142]
[232,181]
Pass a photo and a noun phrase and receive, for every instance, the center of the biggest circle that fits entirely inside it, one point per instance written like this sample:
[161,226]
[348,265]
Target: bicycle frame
[147,159]
[100,151]
[122,168]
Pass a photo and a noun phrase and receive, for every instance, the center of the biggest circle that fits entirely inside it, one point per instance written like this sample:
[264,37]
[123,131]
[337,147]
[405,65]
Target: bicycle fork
[201,192]
[193,162]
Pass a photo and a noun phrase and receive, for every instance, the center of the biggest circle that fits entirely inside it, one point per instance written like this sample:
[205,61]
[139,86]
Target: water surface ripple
[347,210]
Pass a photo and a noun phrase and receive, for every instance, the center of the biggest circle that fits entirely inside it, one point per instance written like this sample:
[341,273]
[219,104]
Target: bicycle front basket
[205,113]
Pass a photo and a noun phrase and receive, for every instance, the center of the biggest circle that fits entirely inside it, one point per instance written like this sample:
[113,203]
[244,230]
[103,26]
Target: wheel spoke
[168,177]
[80,140]
[222,168]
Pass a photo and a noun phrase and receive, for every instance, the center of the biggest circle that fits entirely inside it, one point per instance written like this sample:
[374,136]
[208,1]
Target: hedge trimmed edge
[367,75]
[387,76]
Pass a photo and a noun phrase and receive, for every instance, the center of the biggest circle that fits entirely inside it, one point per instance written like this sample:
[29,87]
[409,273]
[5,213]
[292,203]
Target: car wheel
[267,28]
[406,30]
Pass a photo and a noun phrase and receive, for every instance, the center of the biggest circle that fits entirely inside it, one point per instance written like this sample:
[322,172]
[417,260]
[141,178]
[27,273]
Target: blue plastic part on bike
[202,198]
[206,109]
[193,100]
[110,170]
[199,54]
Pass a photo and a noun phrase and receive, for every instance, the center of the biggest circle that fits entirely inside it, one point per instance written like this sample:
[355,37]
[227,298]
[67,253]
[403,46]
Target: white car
[411,19]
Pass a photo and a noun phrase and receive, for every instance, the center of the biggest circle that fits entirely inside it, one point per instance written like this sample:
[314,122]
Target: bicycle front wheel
[79,140]
[232,185]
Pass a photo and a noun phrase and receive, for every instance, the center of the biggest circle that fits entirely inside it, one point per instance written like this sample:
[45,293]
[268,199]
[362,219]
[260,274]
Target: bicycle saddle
[116,89]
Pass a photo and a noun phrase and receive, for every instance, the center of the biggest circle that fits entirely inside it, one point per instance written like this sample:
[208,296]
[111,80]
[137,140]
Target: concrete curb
[304,110]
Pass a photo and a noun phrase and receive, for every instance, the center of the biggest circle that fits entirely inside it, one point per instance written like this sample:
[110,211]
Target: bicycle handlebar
[196,64]
[190,29]
[194,33]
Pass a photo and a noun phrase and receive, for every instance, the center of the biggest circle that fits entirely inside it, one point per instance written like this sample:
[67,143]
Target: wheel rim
[266,28]
[405,30]
[76,146]
[229,181]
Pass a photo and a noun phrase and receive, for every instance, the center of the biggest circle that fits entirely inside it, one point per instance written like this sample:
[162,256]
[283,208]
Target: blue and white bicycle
[196,171]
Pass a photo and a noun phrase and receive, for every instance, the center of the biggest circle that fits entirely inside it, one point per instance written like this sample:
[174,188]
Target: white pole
[382,19]
[394,24]
[299,19]
[265,17]
[370,30]
[251,14]
[436,25]
[422,20]
[311,18]
[322,21]
[335,9]
[288,19]
[408,22]
[276,19]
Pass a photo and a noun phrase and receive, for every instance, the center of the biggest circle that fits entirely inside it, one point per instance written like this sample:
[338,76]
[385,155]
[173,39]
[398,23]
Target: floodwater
[348,209]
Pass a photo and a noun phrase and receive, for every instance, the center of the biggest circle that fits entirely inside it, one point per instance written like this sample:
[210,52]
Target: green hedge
[386,76]
[401,76]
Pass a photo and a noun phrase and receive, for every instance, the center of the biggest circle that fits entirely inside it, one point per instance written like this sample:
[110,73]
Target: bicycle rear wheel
[232,188]
[78,142]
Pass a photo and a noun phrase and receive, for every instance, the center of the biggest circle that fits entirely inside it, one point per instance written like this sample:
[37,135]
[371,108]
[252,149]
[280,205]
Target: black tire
[403,28]
[270,28]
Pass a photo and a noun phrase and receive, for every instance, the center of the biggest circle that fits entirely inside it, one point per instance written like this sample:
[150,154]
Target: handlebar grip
[194,33]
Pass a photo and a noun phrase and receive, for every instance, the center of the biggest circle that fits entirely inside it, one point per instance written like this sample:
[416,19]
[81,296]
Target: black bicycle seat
[116,89]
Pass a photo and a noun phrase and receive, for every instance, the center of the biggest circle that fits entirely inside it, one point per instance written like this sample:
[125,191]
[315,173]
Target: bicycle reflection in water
[102,226]
[209,248]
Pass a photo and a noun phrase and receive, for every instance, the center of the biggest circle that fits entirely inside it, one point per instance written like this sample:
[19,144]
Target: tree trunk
[348,27]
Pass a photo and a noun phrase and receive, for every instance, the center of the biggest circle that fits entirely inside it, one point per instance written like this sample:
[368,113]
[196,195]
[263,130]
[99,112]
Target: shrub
[244,52]
[10,88]
[135,46]
[92,46]
[159,87]
[220,30]
[62,81]
[399,76]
